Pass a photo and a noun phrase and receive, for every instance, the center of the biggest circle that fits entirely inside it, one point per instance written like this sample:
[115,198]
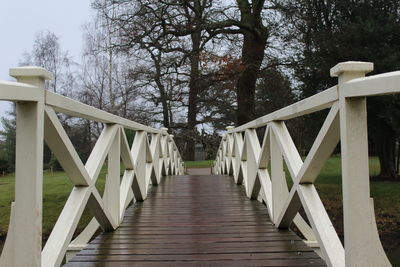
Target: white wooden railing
[260,167]
[145,163]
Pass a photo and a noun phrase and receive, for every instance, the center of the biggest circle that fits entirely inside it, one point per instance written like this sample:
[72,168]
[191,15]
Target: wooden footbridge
[154,215]
[178,226]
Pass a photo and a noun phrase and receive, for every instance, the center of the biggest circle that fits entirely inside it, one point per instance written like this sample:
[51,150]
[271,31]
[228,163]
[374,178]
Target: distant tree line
[198,66]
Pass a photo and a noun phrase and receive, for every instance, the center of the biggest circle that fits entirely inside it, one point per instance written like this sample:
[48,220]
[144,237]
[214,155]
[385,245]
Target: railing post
[278,180]
[26,233]
[223,155]
[229,137]
[171,155]
[362,244]
[164,151]
[112,188]
[155,146]
[238,172]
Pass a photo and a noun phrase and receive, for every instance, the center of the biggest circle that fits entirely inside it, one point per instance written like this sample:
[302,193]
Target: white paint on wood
[102,214]
[346,99]
[156,153]
[139,155]
[61,235]
[266,187]
[294,163]
[13,91]
[288,148]
[322,148]
[331,248]
[28,183]
[164,152]
[77,109]
[309,105]
[112,188]
[279,185]
[82,239]
[26,234]
[126,191]
[126,155]
[238,146]
[359,228]
[99,153]
[253,151]
[381,84]
[60,144]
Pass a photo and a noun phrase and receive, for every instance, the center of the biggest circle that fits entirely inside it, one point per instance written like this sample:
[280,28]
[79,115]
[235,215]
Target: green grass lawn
[56,188]
[199,164]
[386,198]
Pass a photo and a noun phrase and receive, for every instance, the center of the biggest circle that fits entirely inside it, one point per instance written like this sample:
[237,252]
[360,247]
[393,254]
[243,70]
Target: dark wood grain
[197,221]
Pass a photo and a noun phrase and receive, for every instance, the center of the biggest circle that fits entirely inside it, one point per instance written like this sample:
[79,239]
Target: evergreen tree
[8,143]
[328,32]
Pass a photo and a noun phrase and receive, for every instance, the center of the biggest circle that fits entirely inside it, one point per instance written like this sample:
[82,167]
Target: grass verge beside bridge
[199,164]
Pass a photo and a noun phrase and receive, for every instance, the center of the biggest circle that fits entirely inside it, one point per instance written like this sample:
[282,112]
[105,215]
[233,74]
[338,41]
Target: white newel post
[362,244]
[27,229]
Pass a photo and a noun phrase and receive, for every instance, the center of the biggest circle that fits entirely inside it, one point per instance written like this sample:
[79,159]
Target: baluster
[279,185]
[237,172]
[230,149]
[164,151]
[171,155]
[112,193]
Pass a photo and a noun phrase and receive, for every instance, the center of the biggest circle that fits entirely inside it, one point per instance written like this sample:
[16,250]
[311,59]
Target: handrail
[77,109]
[259,167]
[315,103]
[146,161]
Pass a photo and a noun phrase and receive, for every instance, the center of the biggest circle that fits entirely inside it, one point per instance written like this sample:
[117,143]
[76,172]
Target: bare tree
[188,29]
[47,53]
[159,28]
[106,77]
[205,20]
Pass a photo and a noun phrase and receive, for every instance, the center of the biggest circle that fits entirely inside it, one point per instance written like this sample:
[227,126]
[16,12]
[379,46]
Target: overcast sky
[20,20]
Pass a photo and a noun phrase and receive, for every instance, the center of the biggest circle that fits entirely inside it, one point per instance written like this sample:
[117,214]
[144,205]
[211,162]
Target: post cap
[229,128]
[352,66]
[31,71]
[164,129]
[171,135]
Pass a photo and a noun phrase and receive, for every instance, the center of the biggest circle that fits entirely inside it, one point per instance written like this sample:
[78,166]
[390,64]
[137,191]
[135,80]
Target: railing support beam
[362,244]
[26,231]
[112,193]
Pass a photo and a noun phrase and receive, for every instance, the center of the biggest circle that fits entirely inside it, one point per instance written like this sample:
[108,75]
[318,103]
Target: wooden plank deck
[199,171]
[197,220]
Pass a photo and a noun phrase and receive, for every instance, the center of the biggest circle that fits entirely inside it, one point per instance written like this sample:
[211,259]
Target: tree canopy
[198,66]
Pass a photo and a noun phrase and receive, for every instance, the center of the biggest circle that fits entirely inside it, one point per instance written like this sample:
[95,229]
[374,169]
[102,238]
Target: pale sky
[20,20]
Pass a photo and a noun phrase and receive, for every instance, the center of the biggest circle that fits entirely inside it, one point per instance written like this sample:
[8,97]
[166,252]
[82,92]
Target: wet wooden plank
[199,171]
[197,221]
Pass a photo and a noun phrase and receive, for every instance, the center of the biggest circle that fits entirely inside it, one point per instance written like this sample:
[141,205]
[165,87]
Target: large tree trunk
[385,140]
[193,95]
[255,36]
[252,56]
[164,103]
